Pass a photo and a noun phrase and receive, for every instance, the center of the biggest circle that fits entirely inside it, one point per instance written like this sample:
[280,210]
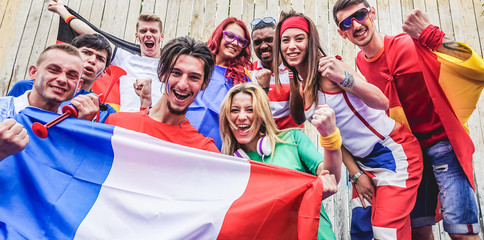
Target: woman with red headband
[230,45]
[385,151]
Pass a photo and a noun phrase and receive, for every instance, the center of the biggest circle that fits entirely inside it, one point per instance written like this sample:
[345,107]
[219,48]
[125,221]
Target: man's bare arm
[77,25]
[417,21]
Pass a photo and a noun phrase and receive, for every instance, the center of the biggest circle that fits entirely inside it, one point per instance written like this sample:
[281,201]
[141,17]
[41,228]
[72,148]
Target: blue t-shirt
[7,108]
[204,112]
[21,87]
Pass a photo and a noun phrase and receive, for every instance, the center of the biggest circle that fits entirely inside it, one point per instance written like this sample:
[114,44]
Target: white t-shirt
[361,127]
[279,100]
[136,67]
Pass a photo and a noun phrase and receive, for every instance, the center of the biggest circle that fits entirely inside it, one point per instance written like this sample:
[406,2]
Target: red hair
[235,66]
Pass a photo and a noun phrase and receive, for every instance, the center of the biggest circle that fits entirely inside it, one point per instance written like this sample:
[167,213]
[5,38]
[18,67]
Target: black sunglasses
[360,16]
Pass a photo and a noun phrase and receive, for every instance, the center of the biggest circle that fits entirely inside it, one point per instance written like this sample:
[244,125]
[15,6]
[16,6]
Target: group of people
[402,139]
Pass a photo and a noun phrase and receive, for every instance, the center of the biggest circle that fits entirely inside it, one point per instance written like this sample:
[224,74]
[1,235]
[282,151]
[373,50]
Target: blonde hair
[149,17]
[262,112]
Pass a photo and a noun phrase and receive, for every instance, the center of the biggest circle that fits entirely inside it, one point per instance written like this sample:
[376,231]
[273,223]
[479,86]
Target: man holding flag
[433,85]
[97,181]
[57,76]
[96,54]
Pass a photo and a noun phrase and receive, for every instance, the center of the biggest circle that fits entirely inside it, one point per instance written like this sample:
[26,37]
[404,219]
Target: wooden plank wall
[27,27]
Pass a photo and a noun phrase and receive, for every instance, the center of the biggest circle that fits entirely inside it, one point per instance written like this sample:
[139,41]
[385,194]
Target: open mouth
[149,44]
[181,96]
[58,88]
[359,32]
[231,48]
[243,127]
[266,53]
[88,69]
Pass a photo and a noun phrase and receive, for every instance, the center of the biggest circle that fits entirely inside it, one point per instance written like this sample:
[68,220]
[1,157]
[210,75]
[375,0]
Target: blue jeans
[459,205]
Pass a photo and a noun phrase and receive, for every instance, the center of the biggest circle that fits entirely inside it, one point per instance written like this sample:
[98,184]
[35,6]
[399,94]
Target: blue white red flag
[93,181]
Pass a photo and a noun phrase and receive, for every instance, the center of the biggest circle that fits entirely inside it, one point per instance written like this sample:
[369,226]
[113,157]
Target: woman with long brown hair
[388,157]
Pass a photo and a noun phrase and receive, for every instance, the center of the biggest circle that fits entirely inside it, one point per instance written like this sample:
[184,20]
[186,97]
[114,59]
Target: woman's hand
[332,68]
[324,120]
[364,187]
[330,186]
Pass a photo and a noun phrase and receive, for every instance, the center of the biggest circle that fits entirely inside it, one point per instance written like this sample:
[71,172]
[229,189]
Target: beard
[176,112]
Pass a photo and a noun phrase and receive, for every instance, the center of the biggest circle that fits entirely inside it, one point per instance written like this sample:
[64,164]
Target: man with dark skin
[262,40]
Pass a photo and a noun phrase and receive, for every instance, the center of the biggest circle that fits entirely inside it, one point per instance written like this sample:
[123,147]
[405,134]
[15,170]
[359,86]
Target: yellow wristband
[331,142]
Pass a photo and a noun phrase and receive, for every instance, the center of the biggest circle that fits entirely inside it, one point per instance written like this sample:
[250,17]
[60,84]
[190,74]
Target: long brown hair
[314,53]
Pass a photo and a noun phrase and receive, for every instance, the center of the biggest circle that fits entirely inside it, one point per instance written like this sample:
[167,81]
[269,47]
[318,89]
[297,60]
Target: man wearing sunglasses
[262,40]
[395,64]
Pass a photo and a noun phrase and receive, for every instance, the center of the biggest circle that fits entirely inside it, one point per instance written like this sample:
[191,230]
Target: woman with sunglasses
[384,150]
[230,46]
[249,131]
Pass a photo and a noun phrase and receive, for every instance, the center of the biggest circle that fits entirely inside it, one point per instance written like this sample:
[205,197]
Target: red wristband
[431,37]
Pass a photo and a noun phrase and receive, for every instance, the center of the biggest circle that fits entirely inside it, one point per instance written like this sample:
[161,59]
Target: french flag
[93,181]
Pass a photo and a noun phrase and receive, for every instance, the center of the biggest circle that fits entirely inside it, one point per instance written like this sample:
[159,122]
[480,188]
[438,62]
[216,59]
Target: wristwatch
[355,177]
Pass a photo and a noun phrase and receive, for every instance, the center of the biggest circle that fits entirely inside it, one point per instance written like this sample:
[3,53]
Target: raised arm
[77,25]
[264,79]
[142,87]
[325,122]
[352,82]
[13,138]
[417,25]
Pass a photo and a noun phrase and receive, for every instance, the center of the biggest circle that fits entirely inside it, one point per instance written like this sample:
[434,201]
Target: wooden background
[27,27]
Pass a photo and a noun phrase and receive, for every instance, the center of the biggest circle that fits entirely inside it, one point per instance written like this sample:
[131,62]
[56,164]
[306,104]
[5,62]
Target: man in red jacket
[406,70]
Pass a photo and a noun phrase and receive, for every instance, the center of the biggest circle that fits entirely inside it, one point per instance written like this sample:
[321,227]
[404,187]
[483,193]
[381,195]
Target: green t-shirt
[298,152]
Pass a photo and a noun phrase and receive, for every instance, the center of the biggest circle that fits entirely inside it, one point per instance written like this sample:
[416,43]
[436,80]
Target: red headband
[295,22]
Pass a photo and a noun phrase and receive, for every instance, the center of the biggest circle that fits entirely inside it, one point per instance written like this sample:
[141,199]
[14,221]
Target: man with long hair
[185,68]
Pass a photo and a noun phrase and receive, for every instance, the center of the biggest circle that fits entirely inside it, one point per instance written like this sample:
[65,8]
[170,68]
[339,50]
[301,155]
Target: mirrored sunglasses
[360,16]
[230,37]
[257,21]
